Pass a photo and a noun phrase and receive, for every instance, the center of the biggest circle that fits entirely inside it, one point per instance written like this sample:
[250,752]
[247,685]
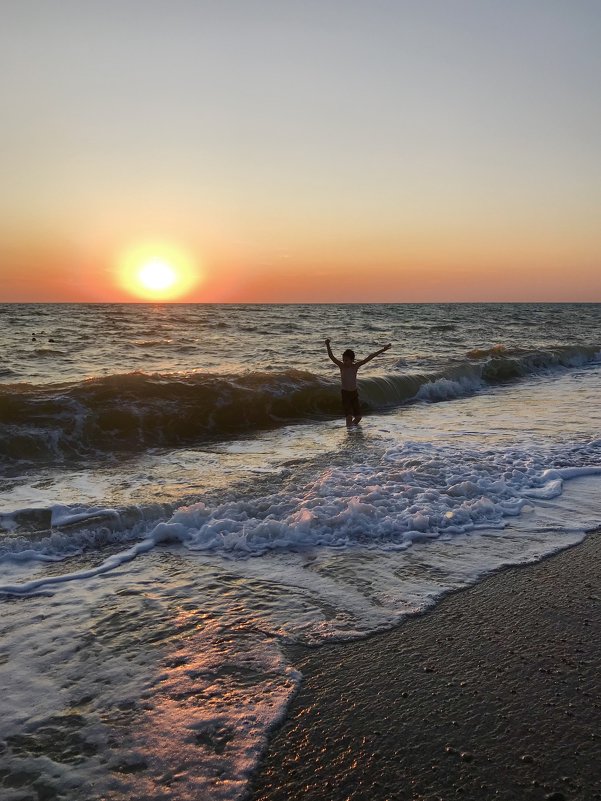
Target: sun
[157,275]
[158,272]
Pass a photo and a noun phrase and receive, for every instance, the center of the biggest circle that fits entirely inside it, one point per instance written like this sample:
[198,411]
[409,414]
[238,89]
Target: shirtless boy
[348,376]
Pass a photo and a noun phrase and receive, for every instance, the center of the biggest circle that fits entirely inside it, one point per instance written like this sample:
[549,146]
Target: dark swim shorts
[350,402]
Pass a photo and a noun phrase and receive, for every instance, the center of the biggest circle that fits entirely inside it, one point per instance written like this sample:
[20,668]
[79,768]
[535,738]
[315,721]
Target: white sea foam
[448,388]
[413,492]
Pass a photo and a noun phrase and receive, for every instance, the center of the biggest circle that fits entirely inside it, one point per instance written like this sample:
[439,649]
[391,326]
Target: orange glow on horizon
[51,270]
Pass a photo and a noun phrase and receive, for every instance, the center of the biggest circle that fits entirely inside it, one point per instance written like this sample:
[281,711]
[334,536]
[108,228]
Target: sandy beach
[492,694]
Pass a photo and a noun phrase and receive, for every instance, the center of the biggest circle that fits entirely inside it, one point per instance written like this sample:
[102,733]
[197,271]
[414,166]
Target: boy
[348,375]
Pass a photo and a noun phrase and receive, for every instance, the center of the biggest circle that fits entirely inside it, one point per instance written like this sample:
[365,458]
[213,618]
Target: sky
[300,150]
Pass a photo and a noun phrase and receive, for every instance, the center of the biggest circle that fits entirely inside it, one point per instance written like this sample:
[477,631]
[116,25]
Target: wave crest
[135,411]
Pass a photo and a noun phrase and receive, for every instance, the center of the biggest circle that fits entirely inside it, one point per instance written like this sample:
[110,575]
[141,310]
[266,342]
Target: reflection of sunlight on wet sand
[208,713]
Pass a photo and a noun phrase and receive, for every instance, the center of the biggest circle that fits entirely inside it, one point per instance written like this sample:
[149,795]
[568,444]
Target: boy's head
[348,357]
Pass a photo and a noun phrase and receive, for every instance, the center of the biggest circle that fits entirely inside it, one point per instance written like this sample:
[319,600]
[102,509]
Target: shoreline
[492,693]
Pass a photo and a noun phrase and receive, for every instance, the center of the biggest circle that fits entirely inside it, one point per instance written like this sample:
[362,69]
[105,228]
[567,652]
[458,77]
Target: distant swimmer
[348,376]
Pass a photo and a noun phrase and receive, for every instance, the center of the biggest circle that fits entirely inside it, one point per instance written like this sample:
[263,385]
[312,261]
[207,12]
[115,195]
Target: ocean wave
[135,411]
[489,367]
[527,359]
[416,493]
[443,327]
[48,352]
[152,343]
[485,353]
[448,388]
[57,532]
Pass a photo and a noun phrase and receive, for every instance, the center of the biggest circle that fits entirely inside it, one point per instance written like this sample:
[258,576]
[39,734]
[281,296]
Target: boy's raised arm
[336,361]
[373,355]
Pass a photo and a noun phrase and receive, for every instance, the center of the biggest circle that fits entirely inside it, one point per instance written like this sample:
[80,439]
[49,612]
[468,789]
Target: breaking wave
[135,411]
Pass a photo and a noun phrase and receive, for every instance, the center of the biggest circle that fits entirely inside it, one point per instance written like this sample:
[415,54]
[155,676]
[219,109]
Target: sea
[182,506]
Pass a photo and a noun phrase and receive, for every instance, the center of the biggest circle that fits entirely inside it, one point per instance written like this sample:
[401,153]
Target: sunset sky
[300,150]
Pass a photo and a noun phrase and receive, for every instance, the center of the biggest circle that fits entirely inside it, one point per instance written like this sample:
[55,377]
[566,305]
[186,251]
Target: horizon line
[294,302]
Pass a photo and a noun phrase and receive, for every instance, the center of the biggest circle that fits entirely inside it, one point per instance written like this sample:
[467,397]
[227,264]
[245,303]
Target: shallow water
[151,578]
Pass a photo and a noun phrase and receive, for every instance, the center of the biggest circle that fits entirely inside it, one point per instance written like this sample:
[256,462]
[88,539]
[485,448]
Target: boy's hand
[327,341]
[387,346]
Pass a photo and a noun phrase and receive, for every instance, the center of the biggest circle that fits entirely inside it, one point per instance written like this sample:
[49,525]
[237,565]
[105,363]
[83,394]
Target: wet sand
[493,694]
